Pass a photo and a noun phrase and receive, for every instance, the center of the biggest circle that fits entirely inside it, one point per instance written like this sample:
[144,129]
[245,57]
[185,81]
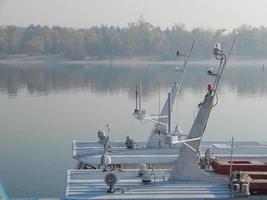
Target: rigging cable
[217,100]
[130,126]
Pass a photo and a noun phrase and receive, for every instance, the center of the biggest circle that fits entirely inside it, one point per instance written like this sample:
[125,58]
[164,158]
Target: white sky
[86,13]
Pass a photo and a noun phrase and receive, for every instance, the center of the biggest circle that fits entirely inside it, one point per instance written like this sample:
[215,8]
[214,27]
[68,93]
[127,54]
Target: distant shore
[42,59]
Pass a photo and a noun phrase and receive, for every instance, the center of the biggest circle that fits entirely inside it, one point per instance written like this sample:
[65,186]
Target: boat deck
[89,184]
[91,152]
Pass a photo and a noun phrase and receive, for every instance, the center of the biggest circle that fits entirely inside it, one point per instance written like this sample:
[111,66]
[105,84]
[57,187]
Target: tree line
[138,39]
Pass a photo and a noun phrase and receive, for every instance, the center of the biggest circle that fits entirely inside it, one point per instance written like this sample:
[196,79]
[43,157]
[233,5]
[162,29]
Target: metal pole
[231,162]
[140,97]
[136,98]
[223,63]
[185,67]
[169,112]
[109,135]
[159,101]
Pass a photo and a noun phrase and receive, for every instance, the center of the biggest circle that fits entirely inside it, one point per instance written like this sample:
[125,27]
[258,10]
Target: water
[47,105]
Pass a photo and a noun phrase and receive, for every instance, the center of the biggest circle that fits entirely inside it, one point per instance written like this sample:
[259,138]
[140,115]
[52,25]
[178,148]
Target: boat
[186,180]
[128,153]
[157,151]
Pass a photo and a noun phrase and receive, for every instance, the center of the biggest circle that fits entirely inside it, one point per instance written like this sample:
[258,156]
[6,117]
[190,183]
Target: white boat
[89,155]
[129,152]
[186,180]
[155,151]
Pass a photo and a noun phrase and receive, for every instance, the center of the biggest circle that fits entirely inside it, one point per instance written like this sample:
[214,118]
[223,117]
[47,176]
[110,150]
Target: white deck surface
[89,184]
[90,152]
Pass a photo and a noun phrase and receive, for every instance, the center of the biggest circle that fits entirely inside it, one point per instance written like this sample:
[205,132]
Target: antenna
[219,55]
[183,75]
[169,112]
[140,96]
[138,112]
[184,67]
[231,156]
[136,99]
[159,102]
[232,46]
[163,117]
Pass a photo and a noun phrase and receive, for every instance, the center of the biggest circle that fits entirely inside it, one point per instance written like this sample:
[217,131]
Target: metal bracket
[188,145]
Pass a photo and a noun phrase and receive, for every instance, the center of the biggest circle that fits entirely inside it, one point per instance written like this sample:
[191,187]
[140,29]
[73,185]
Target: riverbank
[137,61]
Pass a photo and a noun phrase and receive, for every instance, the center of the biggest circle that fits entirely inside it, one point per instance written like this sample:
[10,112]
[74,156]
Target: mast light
[209,86]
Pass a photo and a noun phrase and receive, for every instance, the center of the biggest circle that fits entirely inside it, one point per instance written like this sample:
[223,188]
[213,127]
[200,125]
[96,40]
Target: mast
[140,96]
[136,99]
[163,119]
[169,113]
[176,88]
[186,167]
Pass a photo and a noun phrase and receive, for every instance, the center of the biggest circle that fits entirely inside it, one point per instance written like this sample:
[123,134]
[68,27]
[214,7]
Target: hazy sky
[85,13]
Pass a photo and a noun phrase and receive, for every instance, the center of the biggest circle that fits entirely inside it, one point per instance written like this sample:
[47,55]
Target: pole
[169,112]
[140,98]
[136,98]
[231,162]
[159,101]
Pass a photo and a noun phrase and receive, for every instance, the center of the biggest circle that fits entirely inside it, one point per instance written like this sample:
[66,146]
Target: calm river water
[46,106]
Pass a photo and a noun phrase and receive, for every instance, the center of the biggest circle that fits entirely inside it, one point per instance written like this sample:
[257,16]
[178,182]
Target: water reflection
[103,79]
